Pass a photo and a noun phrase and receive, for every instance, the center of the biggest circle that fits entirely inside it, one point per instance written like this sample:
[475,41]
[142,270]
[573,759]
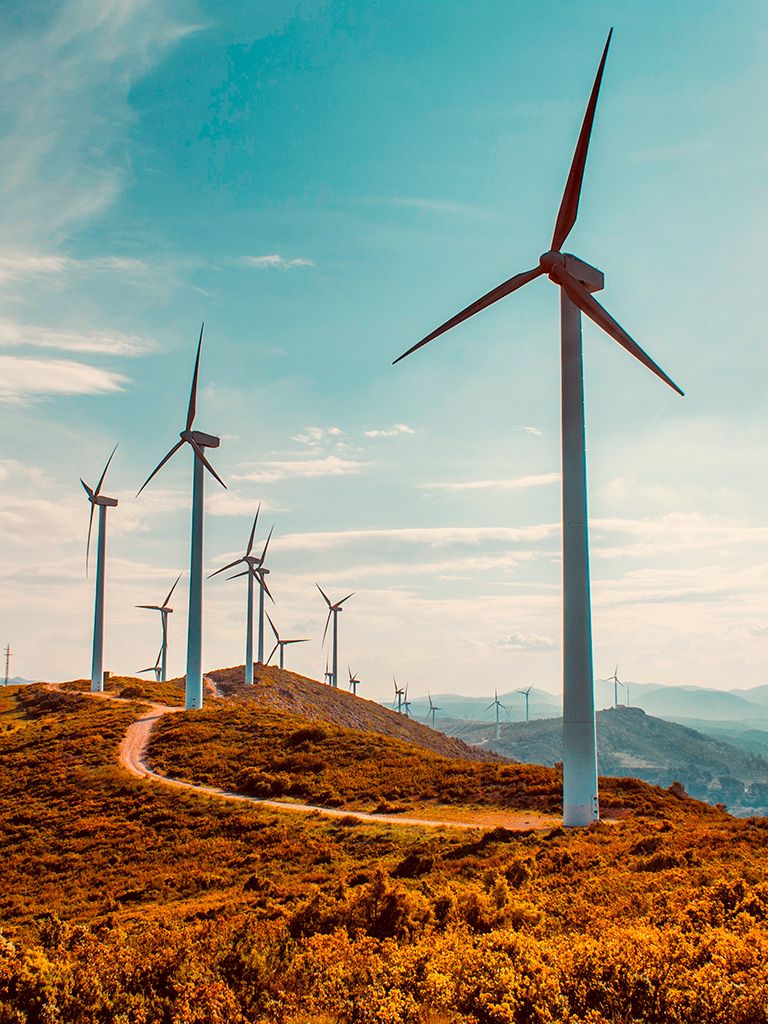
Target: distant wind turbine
[102,502]
[333,612]
[328,674]
[526,694]
[616,684]
[281,644]
[398,697]
[253,565]
[8,656]
[157,668]
[406,703]
[576,280]
[496,703]
[198,441]
[354,682]
[432,709]
[165,610]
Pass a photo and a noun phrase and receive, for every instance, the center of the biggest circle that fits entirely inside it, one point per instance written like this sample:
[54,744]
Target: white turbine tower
[253,566]
[333,612]
[496,703]
[281,644]
[576,280]
[165,610]
[197,441]
[616,684]
[102,502]
[157,668]
[354,682]
[526,694]
[432,709]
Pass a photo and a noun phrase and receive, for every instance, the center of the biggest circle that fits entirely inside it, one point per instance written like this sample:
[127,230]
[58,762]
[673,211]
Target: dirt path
[132,755]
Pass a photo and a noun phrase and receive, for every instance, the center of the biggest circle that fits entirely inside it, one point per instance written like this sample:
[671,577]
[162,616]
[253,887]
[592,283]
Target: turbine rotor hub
[550,259]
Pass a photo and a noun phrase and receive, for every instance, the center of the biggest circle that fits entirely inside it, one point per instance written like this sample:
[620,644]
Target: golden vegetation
[129,903]
[133,688]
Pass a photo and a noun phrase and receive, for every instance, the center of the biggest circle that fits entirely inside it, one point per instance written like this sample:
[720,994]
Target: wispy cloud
[330,465]
[313,437]
[20,264]
[15,335]
[395,431]
[526,642]
[435,536]
[29,378]
[425,204]
[532,431]
[540,480]
[275,262]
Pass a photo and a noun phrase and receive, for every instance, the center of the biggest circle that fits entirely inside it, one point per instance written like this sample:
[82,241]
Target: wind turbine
[496,703]
[8,657]
[165,610]
[526,694]
[354,682]
[406,703]
[616,684]
[328,674]
[576,280]
[398,697]
[432,709]
[253,565]
[198,441]
[333,611]
[282,644]
[97,499]
[157,668]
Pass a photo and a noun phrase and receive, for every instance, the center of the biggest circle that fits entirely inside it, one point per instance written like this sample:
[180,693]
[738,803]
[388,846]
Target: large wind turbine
[577,280]
[197,441]
[333,612]
[97,499]
[253,570]
[165,610]
[281,644]
[496,703]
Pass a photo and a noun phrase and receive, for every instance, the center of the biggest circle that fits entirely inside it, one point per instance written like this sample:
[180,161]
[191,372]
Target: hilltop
[630,742]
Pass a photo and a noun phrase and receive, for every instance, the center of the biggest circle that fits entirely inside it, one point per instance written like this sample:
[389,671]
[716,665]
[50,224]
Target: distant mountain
[630,742]
[16,681]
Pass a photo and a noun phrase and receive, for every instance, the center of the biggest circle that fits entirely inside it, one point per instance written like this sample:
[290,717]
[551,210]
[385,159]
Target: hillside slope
[287,691]
[631,742]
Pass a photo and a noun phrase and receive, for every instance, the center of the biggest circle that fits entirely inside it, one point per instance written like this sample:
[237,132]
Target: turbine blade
[200,454]
[224,568]
[273,651]
[151,607]
[192,408]
[101,478]
[341,602]
[88,490]
[490,706]
[326,624]
[238,575]
[277,635]
[264,587]
[264,552]
[325,596]
[569,206]
[589,305]
[487,300]
[160,465]
[170,592]
[253,531]
[304,640]
[88,542]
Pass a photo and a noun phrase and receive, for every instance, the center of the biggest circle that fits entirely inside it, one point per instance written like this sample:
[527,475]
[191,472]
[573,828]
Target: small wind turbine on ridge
[616,684]
[526,694]
[577,281]
[398,697]
[253,564]
[354,682]
[102,502]
[165,610]
[432,708]
[496,703]
[198,442]
[157,668]
[281,644]
[333,612]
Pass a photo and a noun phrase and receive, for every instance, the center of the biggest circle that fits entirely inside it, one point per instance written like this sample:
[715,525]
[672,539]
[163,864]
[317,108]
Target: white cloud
[14,335]
[395,431]
[539,480]
[313,437]
[533,431]
[20,264]
[331,465]
[526,642]
[275,262]
[26,378]
[435,536]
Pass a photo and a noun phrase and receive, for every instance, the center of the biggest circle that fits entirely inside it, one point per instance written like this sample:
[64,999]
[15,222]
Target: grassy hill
[124,901]
[631,742]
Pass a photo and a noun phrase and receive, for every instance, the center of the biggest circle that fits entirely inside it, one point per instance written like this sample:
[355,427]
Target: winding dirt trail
[132,756]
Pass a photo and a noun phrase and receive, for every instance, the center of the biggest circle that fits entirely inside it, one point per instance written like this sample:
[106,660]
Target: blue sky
[323,183]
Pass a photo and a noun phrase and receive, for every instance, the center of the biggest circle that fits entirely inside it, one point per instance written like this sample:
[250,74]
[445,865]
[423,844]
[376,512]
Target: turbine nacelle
[200,438]
[101,499]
